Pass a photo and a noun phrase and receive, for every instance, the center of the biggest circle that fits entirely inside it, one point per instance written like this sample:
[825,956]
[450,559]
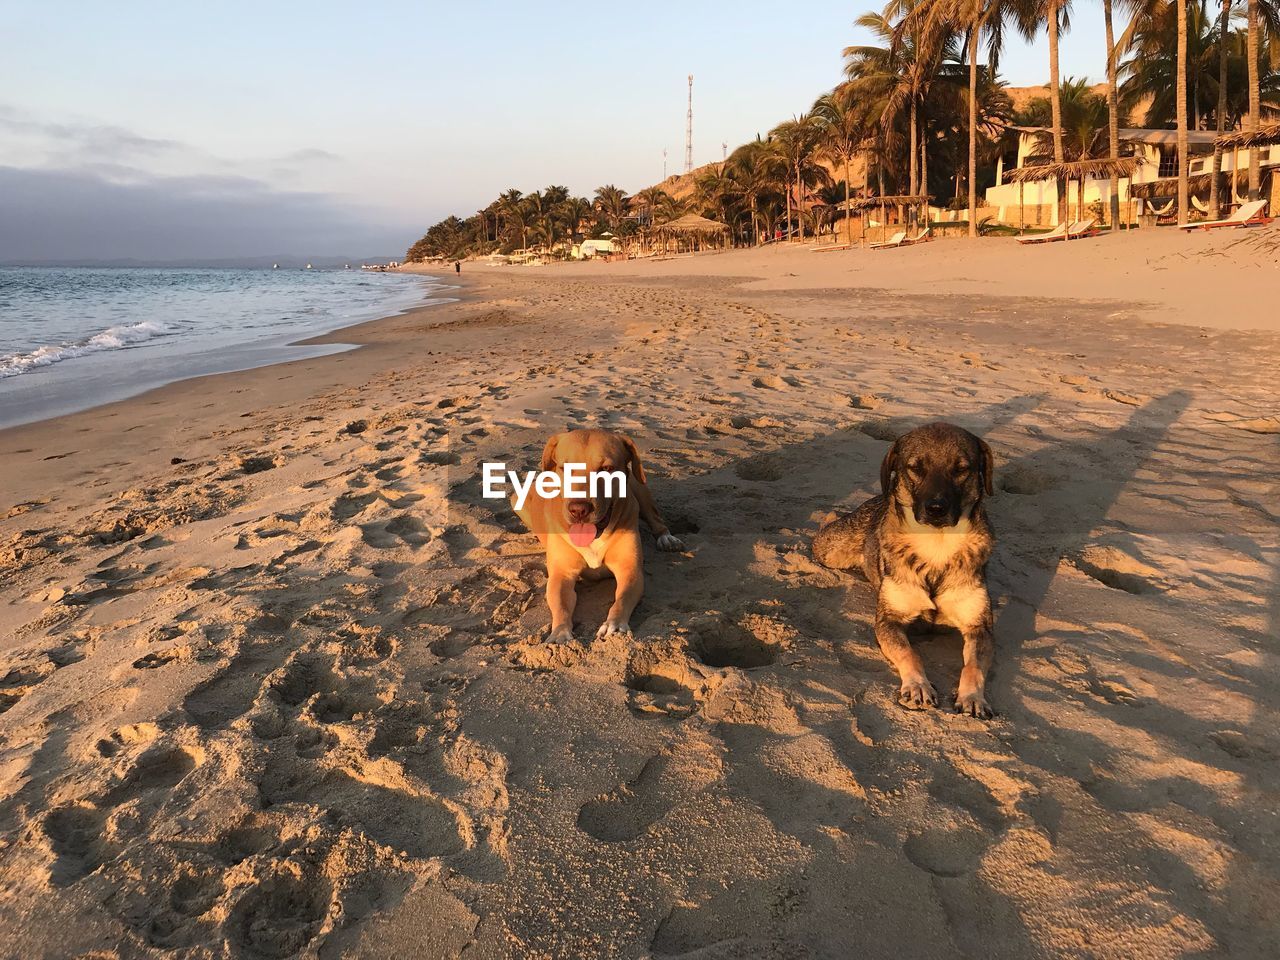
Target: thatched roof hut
[859,204]
[1099,169]
[691,223]
[1267,135]
[693,232]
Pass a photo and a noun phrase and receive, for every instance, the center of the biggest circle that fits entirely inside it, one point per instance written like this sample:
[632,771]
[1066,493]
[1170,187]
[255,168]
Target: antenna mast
[688,131]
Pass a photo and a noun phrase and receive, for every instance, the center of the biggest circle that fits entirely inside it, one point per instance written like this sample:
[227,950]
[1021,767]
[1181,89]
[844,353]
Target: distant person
[457,267]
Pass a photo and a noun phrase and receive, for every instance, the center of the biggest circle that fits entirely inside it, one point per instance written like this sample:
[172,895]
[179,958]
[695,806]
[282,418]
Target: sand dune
[289,695]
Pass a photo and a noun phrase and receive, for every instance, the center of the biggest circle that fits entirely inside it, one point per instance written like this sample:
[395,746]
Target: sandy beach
[275,682]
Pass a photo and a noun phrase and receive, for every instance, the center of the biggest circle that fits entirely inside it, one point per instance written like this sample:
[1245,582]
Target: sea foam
[112,338]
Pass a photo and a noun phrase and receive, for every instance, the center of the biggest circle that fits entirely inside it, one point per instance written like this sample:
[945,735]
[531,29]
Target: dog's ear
[633,458]
[988,467]
[888,467]
[549,453]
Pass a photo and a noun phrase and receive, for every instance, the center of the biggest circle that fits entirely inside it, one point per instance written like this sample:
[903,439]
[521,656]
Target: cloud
[308,155]
[112,150]
[89,142]
[61,215]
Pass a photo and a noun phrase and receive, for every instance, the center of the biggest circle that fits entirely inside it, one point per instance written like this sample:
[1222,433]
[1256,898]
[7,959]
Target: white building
[1159,151]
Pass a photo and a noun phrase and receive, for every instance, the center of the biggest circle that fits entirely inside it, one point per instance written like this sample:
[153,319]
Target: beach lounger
[894,241]
[1057,233]
[1081,229]
[1249,215]
[925,236]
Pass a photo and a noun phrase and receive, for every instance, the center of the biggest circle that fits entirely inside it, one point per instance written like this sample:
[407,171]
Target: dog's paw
[613,628]
[670,542]
[974,704]
[918,694]
[561,635]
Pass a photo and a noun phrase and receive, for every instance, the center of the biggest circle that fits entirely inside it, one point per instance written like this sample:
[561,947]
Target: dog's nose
[937,507]
[579,510]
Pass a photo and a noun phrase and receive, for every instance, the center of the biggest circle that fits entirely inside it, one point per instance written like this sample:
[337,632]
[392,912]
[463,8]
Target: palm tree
[978,19]
[1255,93]
[1151,70]
[1113,114]
[1084,114]
[797,140]
[1057,14]
[717,192]
[758,168]
[610,205]
[882,76]
[1220,111]
[573,213]
[845,131]
[924,45]
[1184,195]
[509,209]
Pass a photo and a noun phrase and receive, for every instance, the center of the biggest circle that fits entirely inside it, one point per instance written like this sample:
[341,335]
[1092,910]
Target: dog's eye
[961,470]
[914,469]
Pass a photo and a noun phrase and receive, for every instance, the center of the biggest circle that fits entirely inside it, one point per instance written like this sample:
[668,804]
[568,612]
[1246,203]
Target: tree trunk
[788,213]
[913,164]
[1224,27]
[800,202]
[1255,97]
[924,170]
[1055,104]
[1181,92]
[1113,116]
[974,30]
[848,225]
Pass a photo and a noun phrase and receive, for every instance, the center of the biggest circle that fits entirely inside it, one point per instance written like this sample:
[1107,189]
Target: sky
[180,130]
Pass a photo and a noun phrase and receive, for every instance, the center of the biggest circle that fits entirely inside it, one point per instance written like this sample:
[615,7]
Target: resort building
[1150,192]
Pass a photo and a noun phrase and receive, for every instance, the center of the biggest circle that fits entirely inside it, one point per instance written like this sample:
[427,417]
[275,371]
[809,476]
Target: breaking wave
[113,338]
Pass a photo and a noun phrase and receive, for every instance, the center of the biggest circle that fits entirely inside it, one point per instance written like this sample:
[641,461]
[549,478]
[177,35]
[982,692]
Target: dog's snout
[937,507]
[580,510]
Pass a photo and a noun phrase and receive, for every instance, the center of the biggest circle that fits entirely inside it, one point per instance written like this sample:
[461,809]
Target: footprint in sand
[947,852]
[280,915]
[753,642]
[1118,570]
[74,833]
[765,467]
[633,807]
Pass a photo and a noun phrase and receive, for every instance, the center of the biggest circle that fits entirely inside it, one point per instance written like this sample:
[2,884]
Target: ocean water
[76,337]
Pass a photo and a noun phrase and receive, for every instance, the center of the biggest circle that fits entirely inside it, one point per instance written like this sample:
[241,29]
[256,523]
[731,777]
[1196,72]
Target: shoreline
[63,397]
[158,415]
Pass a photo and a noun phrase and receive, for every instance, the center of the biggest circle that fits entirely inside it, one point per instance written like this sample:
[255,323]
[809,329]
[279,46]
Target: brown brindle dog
[594,537]
[924,545]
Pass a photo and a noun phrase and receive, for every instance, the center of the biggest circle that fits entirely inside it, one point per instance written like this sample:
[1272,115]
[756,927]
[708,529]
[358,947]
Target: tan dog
[924,545]
[594,537]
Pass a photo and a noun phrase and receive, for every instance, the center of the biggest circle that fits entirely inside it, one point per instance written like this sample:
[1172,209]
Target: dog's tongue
[582,534]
